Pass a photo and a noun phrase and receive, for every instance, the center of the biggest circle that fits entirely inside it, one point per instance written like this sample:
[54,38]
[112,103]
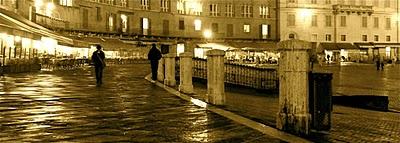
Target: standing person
[99,64]
[154,55]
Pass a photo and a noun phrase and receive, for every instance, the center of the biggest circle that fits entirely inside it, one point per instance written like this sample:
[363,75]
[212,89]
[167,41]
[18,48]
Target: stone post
[293,115]
[160,71]
[169,60]
[215,77]
[186,85]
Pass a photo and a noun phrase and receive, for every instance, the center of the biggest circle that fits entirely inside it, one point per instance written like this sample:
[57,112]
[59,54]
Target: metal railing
[265,78]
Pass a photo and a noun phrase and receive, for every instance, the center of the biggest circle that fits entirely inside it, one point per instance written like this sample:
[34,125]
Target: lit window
[246,28]
[197,25]
[180,6]
[264,11]
[364,22]
[110,23]
[66,2]
[265,31]
[145,26]
[388,23]
[124,22]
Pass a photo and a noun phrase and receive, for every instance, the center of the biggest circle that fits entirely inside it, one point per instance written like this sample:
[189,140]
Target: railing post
[160,71]
[293,115]
[215,77]
[186,85]
[170,69]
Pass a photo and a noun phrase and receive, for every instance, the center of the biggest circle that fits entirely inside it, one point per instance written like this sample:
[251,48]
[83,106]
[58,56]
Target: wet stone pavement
[66,106]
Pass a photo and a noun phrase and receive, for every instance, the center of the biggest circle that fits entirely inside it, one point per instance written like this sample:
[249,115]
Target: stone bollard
[215,77]
[293,115]
[169,60]
[186,85]
[160,71]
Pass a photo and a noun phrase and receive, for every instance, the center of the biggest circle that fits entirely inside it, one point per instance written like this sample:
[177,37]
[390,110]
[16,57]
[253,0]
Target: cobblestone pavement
[348,124]
[364,79]
[66,106]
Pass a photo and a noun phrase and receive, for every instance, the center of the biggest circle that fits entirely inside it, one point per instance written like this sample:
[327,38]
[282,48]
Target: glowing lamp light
[207,34]
[17,39]
[3,35]
[305,12]
[38,3]
[50,6]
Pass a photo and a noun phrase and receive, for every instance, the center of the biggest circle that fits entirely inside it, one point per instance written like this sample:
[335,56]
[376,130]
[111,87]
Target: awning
[254,46]
[24,23]
[337,46]
[107,44]
[387,44]
[11,28]
[364,45]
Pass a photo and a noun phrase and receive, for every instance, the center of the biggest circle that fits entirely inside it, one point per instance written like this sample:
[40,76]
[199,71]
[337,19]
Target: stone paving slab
[348,124]
[66,106]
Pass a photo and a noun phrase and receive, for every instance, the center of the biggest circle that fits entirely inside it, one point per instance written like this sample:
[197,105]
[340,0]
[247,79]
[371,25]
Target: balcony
[359,9]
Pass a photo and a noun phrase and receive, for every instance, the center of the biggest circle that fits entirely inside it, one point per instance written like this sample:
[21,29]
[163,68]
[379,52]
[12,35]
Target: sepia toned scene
[252,71]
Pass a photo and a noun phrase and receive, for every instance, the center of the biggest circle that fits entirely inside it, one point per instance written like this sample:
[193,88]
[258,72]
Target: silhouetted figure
[378,64]
[154,56]
[382,65]
[99,64]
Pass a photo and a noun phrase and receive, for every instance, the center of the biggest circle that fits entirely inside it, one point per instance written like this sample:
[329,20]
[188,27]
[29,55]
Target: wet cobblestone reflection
[65,106]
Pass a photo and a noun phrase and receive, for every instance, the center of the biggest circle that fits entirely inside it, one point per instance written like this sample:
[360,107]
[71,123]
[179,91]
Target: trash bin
[320,100]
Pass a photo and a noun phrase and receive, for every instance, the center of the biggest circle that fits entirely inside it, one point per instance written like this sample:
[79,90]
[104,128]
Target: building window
[313,1]
[197,25]
[165,5]
[376,22]
[246,28]
[110,23]
[387,3]
[265,31]
[314,21]
[214,27]
[291,1]
[247,10]
[376,38]
[340,1]
[66,2]
[388,38]
[229,10]
[145,26]
[123,3]
[364,22]
[314,37]
[180,6]
[264,11]
[144,4]
[388,24]
[328,2]
[363,2]
[124,23]
[343,21]
[111,2]
[291,20]
[328,21]
[328,37]
[229,30]
[343,37]
[98,13]
[181,25]
[214,10]
[364,38]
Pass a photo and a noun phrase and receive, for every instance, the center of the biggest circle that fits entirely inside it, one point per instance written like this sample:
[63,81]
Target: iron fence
[265,78]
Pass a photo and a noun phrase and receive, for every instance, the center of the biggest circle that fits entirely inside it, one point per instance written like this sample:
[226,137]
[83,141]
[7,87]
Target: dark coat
[154,54]
[98,58]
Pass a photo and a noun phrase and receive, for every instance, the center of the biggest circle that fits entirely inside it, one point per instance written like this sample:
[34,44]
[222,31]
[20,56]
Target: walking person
[99,64]
[154,56]
[378,64]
